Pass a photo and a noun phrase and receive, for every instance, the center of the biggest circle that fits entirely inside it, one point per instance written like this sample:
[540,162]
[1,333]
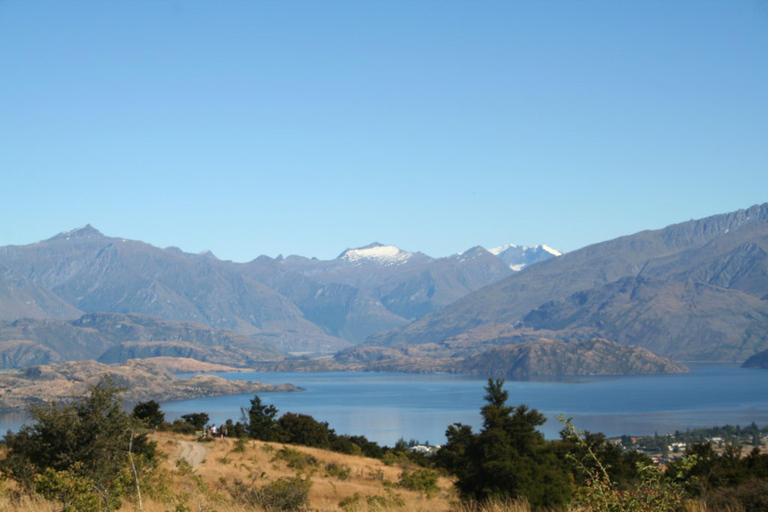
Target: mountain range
[694,291]
[266,306]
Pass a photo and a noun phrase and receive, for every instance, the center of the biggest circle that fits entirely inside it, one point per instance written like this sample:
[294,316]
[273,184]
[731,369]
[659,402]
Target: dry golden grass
[215,466]
[223,465]
[203,485]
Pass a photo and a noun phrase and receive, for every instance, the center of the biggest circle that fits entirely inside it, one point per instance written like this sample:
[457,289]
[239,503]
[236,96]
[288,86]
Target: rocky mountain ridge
[115,338]
[518,361]
[695,291]
[294,304]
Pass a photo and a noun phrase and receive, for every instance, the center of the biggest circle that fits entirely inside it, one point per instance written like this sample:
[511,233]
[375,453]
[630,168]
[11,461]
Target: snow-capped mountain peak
[520,256]
[550,250]
[500,249]
[376,253]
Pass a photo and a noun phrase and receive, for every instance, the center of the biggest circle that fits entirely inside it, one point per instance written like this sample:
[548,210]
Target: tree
[150,413]
[305,430]
[508,458]
[260,420]
[85,442]
[196,419]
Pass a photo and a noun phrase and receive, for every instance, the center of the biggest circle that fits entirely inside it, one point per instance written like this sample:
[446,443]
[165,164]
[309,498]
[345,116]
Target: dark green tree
[305,430]
[150,413]
[86,441]
[260,420]
[508,458]
[197,419]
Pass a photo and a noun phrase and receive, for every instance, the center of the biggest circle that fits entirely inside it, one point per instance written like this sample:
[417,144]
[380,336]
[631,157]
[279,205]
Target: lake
[386,406]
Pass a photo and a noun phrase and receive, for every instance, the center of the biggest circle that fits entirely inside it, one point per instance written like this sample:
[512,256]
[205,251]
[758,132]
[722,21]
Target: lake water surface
[385,406]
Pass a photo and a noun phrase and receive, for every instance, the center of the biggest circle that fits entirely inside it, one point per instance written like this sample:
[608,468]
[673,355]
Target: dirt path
[192,452]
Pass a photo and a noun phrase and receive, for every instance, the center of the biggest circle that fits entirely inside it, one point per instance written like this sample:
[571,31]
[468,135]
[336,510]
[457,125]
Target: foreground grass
[219,475]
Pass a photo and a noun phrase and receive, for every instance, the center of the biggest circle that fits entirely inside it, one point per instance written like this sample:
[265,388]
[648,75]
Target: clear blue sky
[300,127]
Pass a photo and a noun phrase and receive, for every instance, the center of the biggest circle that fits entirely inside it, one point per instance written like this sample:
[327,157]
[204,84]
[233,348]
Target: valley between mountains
[642,303]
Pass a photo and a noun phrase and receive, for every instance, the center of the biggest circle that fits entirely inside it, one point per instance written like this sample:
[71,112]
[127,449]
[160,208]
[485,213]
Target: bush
[197,419]
[81,445]
[303,429]
[654,493]
[343,444]
[282,494]
[71,490]
[420,480]
[340,471]
[182,427]
[296,460]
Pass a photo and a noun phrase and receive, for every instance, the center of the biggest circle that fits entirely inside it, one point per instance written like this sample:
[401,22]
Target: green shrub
[182,427]
[74,491]
[340,471]
[90,443]
[390,501]
[420,480]
[239,445]
[296,460]
[350,502]
[654,493]
[282,494]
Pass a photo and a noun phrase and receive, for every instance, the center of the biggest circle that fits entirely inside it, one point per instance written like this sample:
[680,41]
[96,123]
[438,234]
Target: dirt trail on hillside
[192,452]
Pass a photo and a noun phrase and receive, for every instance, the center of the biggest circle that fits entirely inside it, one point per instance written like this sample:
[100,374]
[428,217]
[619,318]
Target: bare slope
[727,252]
[117,337]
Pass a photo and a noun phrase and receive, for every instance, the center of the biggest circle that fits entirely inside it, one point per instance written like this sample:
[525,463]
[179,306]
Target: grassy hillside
[205,475]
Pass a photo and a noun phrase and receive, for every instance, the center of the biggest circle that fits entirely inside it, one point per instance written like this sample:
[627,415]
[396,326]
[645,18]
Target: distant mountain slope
[409,285]
[20,297]
[93,273]
[685,321]
[297,304]
[548,357]
[724,251]
[759,360]
[340,309]
[28,342]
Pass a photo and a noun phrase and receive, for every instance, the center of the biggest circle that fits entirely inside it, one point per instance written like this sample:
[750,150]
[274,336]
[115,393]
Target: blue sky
[300,127]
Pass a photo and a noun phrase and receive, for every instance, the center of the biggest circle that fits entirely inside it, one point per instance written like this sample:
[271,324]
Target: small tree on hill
[260,420]
[508,458]
[150,413]
[196,419]
[305,430]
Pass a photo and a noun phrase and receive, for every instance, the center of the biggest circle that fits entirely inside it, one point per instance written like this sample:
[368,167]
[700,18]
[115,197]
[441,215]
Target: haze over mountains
[693,291]
[288,304]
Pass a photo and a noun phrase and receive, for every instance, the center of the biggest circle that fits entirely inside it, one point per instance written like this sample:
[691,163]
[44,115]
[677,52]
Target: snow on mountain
[553,252]
[386,255]
[520,256]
